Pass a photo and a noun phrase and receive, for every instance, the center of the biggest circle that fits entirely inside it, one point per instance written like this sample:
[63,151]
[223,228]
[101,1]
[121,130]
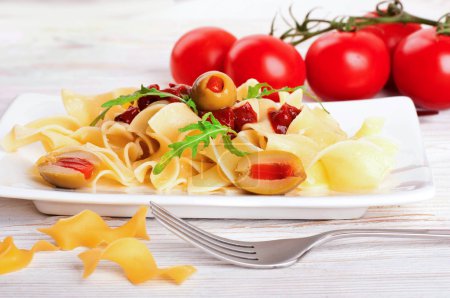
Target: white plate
[411,181]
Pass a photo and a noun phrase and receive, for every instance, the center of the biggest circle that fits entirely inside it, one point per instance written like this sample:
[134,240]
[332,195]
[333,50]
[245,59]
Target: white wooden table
[93,46]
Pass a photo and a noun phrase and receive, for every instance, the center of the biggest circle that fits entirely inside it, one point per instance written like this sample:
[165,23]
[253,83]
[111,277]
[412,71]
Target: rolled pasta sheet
[140,122]
[116,134]
[85,108]
[263,126]
[167,179]
[226,160]
[169,119]
[254,137]
[142,167]
[316,178]
[112,166]
[305,148]
[317,125]
[22,135]
[89,134]
[371,126]
[53,140]
[210,180]
[294,99]
[242,90]
[355,165]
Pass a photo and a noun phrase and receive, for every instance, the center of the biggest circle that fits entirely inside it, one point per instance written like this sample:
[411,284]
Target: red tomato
[198,51]
[266,59]
[347,65]
[391,34]
[422,68]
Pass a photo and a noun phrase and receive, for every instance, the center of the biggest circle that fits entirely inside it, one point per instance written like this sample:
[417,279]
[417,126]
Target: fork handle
[388,233]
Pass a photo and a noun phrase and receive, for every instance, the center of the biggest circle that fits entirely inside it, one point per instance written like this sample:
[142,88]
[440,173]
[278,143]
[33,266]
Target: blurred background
[95,45]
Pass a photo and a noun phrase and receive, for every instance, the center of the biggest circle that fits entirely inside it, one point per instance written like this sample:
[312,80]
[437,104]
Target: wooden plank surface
[93,46]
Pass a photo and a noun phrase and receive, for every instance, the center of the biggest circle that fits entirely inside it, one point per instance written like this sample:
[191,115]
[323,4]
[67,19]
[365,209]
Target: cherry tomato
[347,65]
[266,59]
[422,68]
[198,51]
[391,34]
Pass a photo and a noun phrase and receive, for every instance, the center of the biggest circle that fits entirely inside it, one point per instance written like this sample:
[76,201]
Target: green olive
[213,91]
[53,168]
[269,172]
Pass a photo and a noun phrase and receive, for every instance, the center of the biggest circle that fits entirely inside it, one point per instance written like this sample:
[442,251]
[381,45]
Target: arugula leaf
[100,117]
[208,130]
[144,91]
[230,147]
[256,92]
[191,103]
[253,91]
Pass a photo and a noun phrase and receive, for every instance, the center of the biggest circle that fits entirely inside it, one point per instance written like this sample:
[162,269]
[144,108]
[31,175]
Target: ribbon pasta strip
[136,261]
[88,229]
[14,259]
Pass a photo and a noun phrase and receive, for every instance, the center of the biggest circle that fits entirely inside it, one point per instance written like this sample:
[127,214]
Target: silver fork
[273,253]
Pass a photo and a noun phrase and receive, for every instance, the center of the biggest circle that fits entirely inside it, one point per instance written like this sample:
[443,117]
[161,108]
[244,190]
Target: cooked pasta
[127,153]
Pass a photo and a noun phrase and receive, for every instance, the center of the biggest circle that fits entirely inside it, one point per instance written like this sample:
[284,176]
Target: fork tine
[197,240]
[218,255]
[203,232]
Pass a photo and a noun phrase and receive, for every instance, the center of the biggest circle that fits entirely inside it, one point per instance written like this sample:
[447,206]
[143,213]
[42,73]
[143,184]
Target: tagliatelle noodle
[355,165]
[316,178]
[208,181]
[317,125]
[42,130]
[89,134]
[371,126]
[305,148]
[242,91]
[140,122]
[88,229]
[13,259]
[86,108]
[168,120]
[226,160]
[136,261]
[294,99]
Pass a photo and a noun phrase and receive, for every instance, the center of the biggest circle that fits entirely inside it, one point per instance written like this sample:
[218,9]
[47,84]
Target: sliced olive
[213,91]
[269,172]
[69,169]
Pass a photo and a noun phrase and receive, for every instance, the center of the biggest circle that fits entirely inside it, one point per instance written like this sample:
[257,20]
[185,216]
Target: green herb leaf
[144,91]
[230,147]
[191,103]
[208,130]
[253,91]
[315,98]
[256,92]
[100,117]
